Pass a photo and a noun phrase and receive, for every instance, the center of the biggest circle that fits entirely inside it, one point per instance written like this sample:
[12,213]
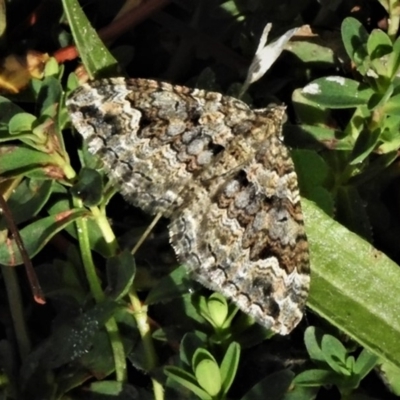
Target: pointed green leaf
[348,277]
[36,235]
[364,363]
[229,366]
[316,378]
[94,54]
[335,354]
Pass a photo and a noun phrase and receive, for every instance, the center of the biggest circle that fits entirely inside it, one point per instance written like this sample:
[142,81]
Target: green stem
[98,295]
[106,230]
[140,314]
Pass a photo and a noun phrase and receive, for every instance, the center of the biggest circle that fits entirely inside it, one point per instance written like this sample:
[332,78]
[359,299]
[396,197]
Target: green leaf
[229,367]
[390,134]
[21,122]
[335,354]
[312,340]
[53,68]
[355,38]
[390,374]
[379,99]
[70,341]
[377,166]
[8,110]
[95,56]
[331,138]
[316,378]
[201,305]
[337,92]
[310,113]
[378,44]
[72,82]
[190,343]
[99,361]
[187,380]
[348,277]
[310,52]
[36,235]
[62,280]
[207,371]
[275,385]
[217,308]
[170,287]
[313,173]
[365,144]
[392,106]
[49,96]
[27,200]
[301,393]
[89,187]
[230,7]
[120,274]
[393,64]
[17,160]
[350,209]
[365,362]
[312,167]
[350,362]
[208,376]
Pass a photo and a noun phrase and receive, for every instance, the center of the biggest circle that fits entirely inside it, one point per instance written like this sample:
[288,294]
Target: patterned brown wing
[153,137]
[242,233]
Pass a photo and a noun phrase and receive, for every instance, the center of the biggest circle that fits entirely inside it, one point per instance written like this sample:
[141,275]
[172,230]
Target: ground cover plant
[120,325]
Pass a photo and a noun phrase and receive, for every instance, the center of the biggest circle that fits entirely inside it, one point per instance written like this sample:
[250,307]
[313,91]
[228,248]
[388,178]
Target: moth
[220,172]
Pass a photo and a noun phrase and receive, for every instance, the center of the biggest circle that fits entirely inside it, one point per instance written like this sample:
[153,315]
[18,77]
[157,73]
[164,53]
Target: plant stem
[106,230]
[140,314]
[146,233]
[98,295]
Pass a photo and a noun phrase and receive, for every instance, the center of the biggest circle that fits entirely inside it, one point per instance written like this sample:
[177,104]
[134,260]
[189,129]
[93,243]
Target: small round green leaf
[218,308]
[208,376]
[21,122]
[378,44]
[364,363]
[207,371]
[355,38]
